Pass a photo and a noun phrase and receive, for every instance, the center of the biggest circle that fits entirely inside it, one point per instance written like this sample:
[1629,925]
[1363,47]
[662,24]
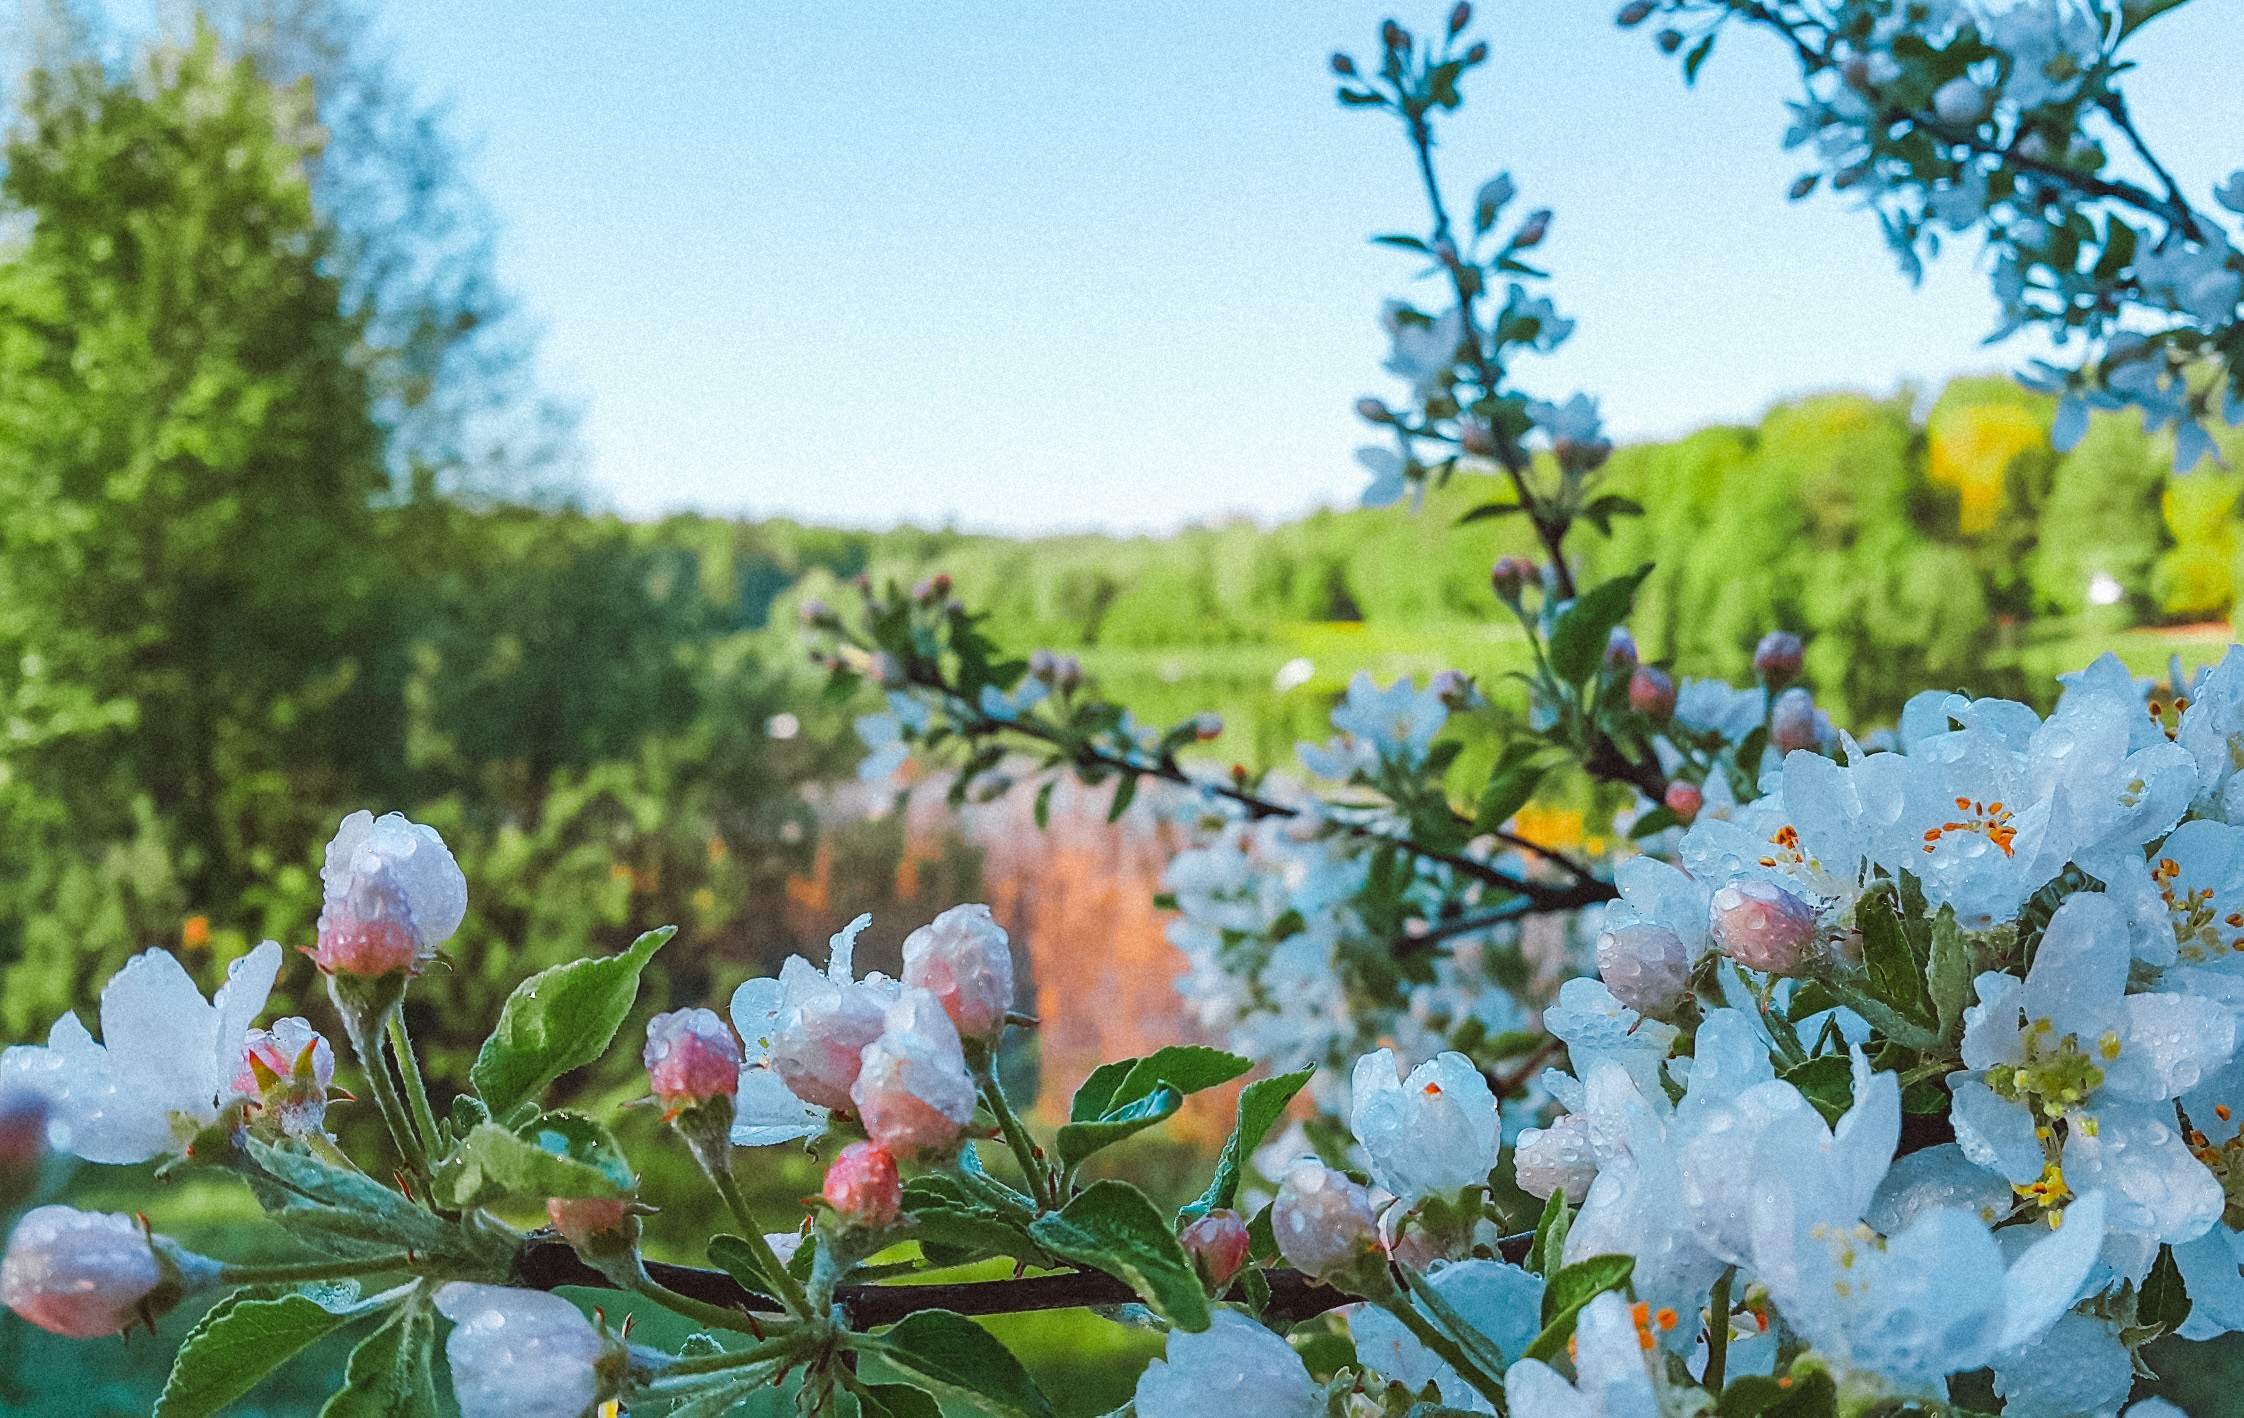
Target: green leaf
[1881,1016]
[1697,58]
[1826,1081]
[555,1155]
[236,1344]
[1261,1104]
[1572,1288]
[896,1401]
[1948,974]
[1807,1394]
[948,1219]
[2164,1301]
[557,1020]
[1125,793]
[1187,1068]
[1488,510]
[1578,640]
[1895,968]
[1044,803]
[1545,1256]
[1507,792]
[1114,1227]
[1078,1141]
[389,1373]
[1656,819]
[341,1212]
[960,1361]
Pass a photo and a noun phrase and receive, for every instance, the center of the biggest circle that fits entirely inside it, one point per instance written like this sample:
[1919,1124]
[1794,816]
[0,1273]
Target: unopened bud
[1394,36]
[1846,179]
[1068,675]
[816,615]
[1042,665]
[1684,799]
[1762,926]
[1207,727]
[1645,966]
[1476,438]
[1344,66]
[1856,71]
[691,1056]
[963,958]
[23,1144]
[1669,41]
[1651,692]
[1218,1244]
[862,1187]
[1460,17]
[1323,1222]
[1454,688]
[1803,185]
[88,1274]
[1532,231]
[1634,13]
[1777,658]
[1372,410]
[1510,576]
[1960,103]
[913,1093]
[1478,54]
[1620,649]
[391,895]
[590,1223]
[1792,721]
[933,589]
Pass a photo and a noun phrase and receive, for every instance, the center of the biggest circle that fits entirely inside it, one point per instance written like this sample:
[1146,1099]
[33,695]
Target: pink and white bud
[1793,721]
[692,1056]
[1646,966]
[1778,657]
[1961,103]
[1634,13]
[289,1069]
[913,1094]
[1371,410]
[1324,1223]
[1684,799]
[1454,688]
[85,1274]
[1651,692]
[862,1186]
[1532,231]
[1218,1244]
[1511,576]
[1556,1159]
[587,1222]
[1207,727]
[820,1046]
[1762,926]
[962,958]
[1620,650]
[1042,665]
[525,1353]
[391,895]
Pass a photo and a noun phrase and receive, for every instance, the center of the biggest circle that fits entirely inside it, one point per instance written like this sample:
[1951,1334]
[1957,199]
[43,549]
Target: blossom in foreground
[803,1037]
[522,1353]
[962,958]
[914,1094]
[862,1186]
[1502,1302]
[1323,1222]
[1652,938]
[290,1067]
[1219,1246]
[1613,1361]
[166,1064]
[391,894]
[87,1274]
[1234,1367]
[1432,1134]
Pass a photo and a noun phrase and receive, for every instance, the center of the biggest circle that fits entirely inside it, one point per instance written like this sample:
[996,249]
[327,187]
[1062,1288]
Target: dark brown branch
[549,1263]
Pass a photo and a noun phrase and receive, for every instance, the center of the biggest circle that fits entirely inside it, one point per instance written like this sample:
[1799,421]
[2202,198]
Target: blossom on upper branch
[1395,725]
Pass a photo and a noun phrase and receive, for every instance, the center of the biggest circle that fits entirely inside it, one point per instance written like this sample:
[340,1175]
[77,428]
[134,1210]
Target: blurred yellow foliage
[1972,449]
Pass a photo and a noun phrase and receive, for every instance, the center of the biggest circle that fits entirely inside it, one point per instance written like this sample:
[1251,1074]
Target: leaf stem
[1042,1185]
[1718,1331]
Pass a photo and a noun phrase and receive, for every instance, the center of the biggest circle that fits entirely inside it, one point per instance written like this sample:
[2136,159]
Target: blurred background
[444,409]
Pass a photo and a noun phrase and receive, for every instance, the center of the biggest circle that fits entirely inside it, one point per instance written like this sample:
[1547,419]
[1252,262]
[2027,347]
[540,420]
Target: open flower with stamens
[166,1066]
[803,1038]
[1431,1134]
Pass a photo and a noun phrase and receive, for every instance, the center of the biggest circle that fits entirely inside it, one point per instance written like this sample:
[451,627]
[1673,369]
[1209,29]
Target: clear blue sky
[1085,263]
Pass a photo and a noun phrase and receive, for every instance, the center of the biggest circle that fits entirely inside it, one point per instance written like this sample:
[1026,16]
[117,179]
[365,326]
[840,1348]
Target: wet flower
[691,1057]
[1323,1222]
[862,1186]
[1763,926]
[391,895]
[913,1093]
[1234,1367]
[523,1353]
[290,1069]
[1432,1134]
[1558,1158]
[87,1274]
[166,1065]
[962,958]
[1218,1244]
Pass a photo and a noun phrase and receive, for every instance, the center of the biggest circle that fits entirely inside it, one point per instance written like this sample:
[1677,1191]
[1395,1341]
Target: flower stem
[1447,1350]
[713,1150]
[701,1311]
[1041,1183]
[1718,1332]
[290,1272]
[363,1023]
[416,1090]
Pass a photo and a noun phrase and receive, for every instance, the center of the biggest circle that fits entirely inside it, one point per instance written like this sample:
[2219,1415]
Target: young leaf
[1261,1104]
[2163,1301]
[962,1362]
[1572,1288]
[1948,974]
[1826,1081]
[235,1345]
[733,1256]
[341,1212]
[1187,1068]
[1114,1227]
[1896,970]
[1578,640]
[557,1020]
[896,1401]
[389,1374]
[1544,1256]
[556,1155]
[1079,1140]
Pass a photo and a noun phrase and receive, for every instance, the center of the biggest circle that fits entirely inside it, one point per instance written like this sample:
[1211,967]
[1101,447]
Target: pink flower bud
[862,1186]
[1634,13]
[1620,650]
[79,1273]
[913,1093]
[820,1046]
[1477,439]
[1762,926]
[289,1069]
[1792,721]
[1645,966]
[1323,1221]
[691,1057]
[1207,727]
[1684,799]
[1556,1159]
[23,1144]
[1777,658]
[1218,1244]
[1454,689]
[1651,692]
[391,895]
[1042,665]
[585,1222]
[1511,576]
[1371,410]
[962,959]
[1344,66]
[1532,231]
